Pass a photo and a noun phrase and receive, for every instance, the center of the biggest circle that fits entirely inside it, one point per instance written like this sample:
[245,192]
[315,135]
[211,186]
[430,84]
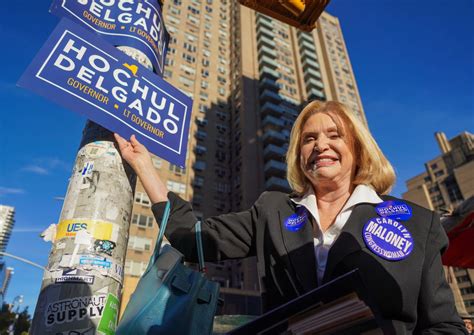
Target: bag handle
[202,266]
[159,241]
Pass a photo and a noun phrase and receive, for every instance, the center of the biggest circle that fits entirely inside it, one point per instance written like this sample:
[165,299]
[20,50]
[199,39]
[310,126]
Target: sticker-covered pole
[81,287]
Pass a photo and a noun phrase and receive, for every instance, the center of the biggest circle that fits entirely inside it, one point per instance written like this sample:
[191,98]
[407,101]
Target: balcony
[272,151]
[275,137]
[267,51]
[275,168]
[264,22]
[305,45]
[265,32]
[270,84]
[308,62]
[305,53]
[272,109]
[263,40]
[273,123]
[265,71]
[305,37]
[267,61]
[270,96]
[314,83]
[310,72]
[277,184]
[316,94]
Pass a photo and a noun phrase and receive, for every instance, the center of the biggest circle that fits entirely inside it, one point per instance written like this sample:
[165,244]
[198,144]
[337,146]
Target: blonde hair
[372,168]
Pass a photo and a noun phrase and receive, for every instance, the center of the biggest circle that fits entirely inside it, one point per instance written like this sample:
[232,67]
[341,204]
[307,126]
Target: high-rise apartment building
[5,277]
[448,180]
[249,76]
[7,221]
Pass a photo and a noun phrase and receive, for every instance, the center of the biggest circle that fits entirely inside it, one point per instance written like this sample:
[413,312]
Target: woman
[337,219]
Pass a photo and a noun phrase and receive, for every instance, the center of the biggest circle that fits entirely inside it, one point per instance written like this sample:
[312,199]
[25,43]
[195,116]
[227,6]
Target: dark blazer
[411,294]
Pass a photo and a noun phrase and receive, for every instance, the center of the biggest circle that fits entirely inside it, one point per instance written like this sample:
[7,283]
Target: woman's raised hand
[135,153]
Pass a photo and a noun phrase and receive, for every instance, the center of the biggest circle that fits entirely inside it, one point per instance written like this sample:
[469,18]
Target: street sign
[137,24]
[78,70]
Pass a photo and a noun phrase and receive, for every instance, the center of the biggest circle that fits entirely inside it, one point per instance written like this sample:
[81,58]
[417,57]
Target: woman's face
[325,154]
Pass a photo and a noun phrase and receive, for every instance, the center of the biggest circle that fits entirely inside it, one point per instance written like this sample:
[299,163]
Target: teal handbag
[171,298]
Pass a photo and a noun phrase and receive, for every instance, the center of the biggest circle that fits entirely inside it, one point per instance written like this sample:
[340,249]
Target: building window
[439,173]
[198,181]
[188,70]
[221,128]
[201,135]
[202,108]
[177,169]
[189,47]
[188,58]
[142,199]
[139,243]
[167,74]
[193,10]
[193,19]
[156,162]
[197,199]
[201,121]
[134,268]
[463,279]
[200,150]
[142,220]
[186,82]
[176,187]
[199,165]
[454,192]
[467,290]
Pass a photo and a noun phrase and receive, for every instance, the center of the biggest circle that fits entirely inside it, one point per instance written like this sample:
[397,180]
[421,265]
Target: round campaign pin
[387,238]
[296,221]
[394,209]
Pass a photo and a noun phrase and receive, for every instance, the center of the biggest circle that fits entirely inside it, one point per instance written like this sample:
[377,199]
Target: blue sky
[413,62]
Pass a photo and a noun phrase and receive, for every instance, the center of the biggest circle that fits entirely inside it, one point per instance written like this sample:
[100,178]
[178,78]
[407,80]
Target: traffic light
[301,14]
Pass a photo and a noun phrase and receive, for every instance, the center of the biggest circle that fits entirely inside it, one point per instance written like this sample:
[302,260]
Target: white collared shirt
[324,240]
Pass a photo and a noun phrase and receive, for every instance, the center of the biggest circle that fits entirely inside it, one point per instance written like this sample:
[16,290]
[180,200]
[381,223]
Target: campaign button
[394,209]
[296,221]
[387,238]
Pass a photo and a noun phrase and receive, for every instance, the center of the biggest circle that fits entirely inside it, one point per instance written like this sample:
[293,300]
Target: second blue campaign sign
[133,23]
[80,71]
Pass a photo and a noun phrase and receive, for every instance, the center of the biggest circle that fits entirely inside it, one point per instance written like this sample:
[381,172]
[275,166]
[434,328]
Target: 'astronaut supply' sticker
[387,238]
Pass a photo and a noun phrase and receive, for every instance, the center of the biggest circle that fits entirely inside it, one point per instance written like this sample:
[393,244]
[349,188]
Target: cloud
[36,169]
[9,190]
[44,165]
[27,230]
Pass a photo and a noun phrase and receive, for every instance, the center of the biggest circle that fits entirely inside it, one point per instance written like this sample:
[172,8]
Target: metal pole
[81,287]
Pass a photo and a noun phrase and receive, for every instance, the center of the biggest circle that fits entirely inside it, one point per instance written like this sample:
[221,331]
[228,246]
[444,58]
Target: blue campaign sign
[134,23]
[78,70]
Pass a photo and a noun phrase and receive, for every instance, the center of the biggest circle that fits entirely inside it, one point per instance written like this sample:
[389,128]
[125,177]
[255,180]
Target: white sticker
[49,234]
[83,237]
[60,245]
[87,169]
